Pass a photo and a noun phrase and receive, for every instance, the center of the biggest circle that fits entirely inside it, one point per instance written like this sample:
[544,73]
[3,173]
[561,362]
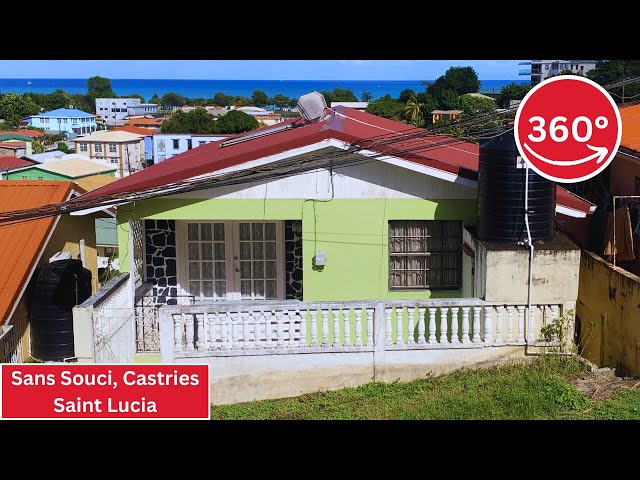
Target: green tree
[15,107]
[343,95]
[195,121]
[280,101]
[366,96]
[459,80]
[99,87]
[240,101]
[221,99]
[155,99]
[235,122]
[406,95]
[83,102]
[613,71]
[135,95]
[63,147]
[293,102]
[176,123]
[473,106]
[259,98]
[447,100]
[328,96]
[413,112]
[512,91]
[386,107]
[172,100]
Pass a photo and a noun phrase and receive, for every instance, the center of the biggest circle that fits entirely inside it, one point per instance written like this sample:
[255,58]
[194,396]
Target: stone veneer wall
[293,259]
[160,259]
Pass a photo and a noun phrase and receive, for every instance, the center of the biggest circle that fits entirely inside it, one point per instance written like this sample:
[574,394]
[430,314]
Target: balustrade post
[314,327]
[257,330]
[387,316]
[499,309]
[292,328]
[212,319]
[444,311]
[336,328]
[531,320]
[410,325]
[488,327]
[202,339]
[279,329]
[347,325]
[454,325]
[465,324]
[268,330]
[178,332]
[520,323]
[509,323]
[370,312]
[476,325]
[421,325]
[303,327]
[432,325]
[399,333]
[325,326]
[188,325]
[358,312]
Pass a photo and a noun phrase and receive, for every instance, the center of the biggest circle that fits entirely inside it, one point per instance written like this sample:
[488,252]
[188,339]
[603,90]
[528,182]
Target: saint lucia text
[129,378]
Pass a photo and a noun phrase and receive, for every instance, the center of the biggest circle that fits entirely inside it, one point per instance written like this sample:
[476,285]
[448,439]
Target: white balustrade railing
[345,326]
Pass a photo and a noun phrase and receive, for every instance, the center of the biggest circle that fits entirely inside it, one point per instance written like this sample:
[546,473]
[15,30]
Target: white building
[124,149]
[362,106]
[115,110]
[70,121]
[542,69]
[166,145]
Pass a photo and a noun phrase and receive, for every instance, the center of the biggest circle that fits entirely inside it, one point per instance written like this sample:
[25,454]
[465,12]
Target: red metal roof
[24,241]
[137,130]
[9,162]
[457,157]
[25,133]
[13,145]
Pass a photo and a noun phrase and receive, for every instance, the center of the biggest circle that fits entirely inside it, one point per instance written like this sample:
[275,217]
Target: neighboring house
[106,237]
[144,122]
[114,111]
[147,133]
[14,148]
[20,140]
[10,163]
[167,145]
[70,168]
[30,244]
[439,115]
[330,266]
[24,132]
[262,115]
[70,121]
[542,69]
[50,156]
[362,106]
[121,149]
[621,178]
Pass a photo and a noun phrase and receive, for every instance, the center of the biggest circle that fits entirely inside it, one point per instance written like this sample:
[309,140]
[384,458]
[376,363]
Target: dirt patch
[602,383]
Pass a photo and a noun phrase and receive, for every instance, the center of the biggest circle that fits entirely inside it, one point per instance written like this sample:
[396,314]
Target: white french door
[240,260]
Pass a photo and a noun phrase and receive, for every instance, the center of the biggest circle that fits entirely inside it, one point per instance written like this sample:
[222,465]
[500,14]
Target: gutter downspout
[528,327]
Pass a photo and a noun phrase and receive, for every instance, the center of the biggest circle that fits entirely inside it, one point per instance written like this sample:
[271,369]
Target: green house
[69,168]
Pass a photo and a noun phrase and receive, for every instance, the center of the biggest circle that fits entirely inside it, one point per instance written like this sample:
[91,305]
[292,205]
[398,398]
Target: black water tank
[59,287]
[501,195]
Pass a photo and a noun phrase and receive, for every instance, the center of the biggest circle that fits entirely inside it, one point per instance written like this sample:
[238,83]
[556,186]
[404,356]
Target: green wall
[351,232]
[34,173]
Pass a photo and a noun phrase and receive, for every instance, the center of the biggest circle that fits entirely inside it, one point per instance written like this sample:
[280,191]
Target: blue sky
[256,69]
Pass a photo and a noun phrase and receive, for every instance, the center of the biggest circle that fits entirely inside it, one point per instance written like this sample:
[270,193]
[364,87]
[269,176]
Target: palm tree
[413,111]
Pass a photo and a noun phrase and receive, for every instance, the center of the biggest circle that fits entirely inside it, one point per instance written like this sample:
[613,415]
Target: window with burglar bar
[425,254]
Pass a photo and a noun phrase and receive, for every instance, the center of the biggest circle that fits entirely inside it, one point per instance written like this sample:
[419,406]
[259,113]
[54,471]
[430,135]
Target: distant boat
[29,82]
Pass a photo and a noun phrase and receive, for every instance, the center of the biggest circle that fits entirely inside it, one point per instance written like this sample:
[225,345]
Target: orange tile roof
[144,121]
[23,242]
[26,133]
[137,130]
[13,145]
[630,127]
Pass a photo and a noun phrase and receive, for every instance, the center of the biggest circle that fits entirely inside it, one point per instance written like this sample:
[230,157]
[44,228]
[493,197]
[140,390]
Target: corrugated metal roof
[43,157]
[23,242]
[630,117]
[109,136]
[74,167]
[25,132]
[458,157]
[137,130]
[13,145]
[65,112]
[94,181]
[9,163]
[106,233]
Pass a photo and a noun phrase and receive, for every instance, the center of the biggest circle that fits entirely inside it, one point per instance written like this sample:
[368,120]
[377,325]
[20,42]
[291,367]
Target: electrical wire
[410,145]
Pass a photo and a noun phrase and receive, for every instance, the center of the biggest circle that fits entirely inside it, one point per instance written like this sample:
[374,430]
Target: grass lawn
[540,390]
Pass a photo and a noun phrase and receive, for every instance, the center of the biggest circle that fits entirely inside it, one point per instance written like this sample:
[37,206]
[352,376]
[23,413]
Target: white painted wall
[164,148]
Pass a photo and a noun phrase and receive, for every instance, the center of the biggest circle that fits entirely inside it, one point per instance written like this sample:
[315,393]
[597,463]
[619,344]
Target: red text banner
[105,391]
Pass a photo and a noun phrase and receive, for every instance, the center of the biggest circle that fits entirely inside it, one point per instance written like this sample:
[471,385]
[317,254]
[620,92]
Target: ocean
[207,88]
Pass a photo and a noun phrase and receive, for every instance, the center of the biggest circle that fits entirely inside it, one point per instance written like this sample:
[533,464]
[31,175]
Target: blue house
[66,120]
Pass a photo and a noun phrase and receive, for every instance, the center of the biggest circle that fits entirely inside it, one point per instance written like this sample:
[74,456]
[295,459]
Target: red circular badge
[568,128]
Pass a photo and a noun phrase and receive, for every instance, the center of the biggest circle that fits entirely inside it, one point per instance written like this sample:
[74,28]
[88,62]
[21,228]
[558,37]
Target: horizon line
[243,79]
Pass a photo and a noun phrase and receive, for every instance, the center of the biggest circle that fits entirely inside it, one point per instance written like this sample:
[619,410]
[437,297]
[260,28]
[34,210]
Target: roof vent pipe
[311,106]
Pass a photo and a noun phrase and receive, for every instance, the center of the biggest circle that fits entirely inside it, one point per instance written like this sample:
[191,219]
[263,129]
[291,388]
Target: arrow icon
[601,153]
